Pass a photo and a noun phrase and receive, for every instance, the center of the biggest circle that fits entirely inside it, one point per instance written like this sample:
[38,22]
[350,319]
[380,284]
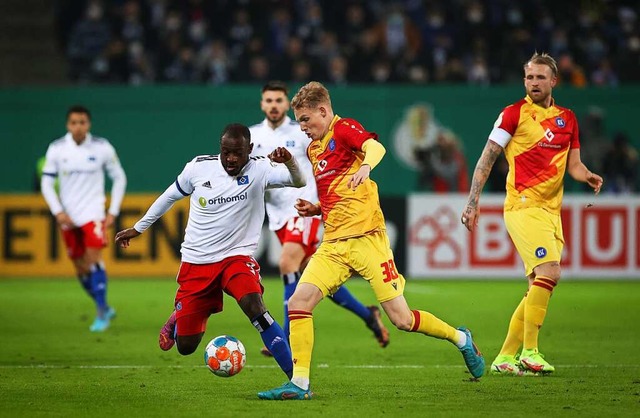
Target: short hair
[311,95]
[276,85]
[78,109]
[237,130]
[544,59]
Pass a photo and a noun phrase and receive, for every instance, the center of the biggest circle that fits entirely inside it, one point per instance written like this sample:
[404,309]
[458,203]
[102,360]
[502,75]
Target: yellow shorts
[369,256]
[537,235]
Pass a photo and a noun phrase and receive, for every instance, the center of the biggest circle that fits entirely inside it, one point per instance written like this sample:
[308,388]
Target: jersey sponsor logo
[291,144]
[322,164]
[206,184]
[92,158]
[560,123]
[220,200]
[243,180]
[332,144]
[548,135]
[541,252]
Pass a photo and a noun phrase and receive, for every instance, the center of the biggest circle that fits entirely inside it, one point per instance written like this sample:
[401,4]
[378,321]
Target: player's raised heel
[286,392]
[534,361]
[472,356]
[375,324]
[110,313]
[505,365]
[166,339]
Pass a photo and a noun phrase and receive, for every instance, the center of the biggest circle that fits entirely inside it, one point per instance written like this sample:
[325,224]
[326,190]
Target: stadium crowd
[479,42]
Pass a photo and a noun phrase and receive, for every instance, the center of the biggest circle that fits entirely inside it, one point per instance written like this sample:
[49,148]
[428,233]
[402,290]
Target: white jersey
[226,212]
[80,170]
[288,135]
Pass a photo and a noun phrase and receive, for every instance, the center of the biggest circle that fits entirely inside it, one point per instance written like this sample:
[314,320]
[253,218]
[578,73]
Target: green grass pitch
[51,365]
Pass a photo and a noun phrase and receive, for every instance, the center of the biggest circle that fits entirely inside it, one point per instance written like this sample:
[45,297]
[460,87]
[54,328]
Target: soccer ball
[225,356]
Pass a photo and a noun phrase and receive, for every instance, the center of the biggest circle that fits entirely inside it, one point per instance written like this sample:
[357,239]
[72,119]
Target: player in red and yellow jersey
[540,141]
[343,153]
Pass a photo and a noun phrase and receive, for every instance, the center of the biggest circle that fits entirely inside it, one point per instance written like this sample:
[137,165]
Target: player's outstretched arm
[481,173]
[306,208]
[580,172]
[283,156]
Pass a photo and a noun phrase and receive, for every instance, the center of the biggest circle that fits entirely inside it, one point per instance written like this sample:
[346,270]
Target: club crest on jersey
[179,306]
[243,180]
[332,144]
[560,122]
[291,143]
[92,158]
[541,252]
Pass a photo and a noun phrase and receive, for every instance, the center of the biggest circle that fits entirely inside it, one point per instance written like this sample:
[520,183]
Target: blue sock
[275,340]
[290,281]
[85,281]
[345,299]
[98,279]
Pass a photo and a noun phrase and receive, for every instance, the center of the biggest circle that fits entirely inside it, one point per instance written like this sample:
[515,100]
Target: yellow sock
[429,324]
[513,341]
[535,309]
[301,339]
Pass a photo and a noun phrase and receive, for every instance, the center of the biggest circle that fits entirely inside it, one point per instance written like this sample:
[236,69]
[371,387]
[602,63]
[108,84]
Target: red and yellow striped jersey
[335,158]
[536,143]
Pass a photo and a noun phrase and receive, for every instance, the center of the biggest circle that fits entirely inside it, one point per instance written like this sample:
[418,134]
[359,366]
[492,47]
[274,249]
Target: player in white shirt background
[226,212]
[79,160]
[298,235]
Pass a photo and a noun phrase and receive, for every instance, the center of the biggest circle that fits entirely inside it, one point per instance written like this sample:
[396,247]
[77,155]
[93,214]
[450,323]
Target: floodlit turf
[51,365]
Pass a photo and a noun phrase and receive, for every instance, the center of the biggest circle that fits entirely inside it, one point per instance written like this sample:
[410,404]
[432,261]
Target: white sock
[301,382]
[462,339]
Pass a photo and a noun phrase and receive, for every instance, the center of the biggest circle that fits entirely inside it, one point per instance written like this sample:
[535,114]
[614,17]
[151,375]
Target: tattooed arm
[489,155]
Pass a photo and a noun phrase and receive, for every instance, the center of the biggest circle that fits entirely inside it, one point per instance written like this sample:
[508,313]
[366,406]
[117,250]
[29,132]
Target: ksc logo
[560,122]
[541,252]
[332,144]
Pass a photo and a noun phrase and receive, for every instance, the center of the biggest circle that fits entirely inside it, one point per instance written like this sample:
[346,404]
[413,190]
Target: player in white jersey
[225,220]
[79,160]
[298,235]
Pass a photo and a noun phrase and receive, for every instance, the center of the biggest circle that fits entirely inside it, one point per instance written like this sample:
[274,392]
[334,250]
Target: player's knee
[288,264]
[551,271]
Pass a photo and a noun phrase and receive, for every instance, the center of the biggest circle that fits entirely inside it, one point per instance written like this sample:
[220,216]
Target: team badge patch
[560,122]
[179,306]
[243,180]
[541,252]
[332,144]
[291,144]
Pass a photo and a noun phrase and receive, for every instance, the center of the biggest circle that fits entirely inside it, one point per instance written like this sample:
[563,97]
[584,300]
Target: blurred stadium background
[163,77]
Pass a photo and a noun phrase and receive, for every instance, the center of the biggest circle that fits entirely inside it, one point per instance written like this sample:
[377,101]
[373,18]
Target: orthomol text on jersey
[220,200]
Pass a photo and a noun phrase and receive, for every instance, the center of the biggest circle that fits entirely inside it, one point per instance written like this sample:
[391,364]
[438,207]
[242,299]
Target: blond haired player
[298,235]
[343,154]
[541,141]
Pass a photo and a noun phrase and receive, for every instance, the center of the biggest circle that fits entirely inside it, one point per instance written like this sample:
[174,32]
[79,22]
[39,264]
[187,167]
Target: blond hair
[544,59]
[311,95]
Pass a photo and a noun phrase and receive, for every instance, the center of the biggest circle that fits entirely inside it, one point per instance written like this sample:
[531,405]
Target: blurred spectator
[569,73]
[87,43]
[620,166]
[443,167]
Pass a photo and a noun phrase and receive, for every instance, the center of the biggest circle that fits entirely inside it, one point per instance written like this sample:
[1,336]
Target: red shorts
[201,285]
[303,231]
[90,235]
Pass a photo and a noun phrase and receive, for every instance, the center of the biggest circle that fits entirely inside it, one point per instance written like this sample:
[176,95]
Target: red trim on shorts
[416,321]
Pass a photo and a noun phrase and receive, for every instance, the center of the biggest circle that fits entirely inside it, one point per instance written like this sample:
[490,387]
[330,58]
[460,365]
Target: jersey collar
[329,134]
[285,122]
[528,99]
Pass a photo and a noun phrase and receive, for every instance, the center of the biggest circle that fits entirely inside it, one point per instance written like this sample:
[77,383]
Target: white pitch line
[321,366]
